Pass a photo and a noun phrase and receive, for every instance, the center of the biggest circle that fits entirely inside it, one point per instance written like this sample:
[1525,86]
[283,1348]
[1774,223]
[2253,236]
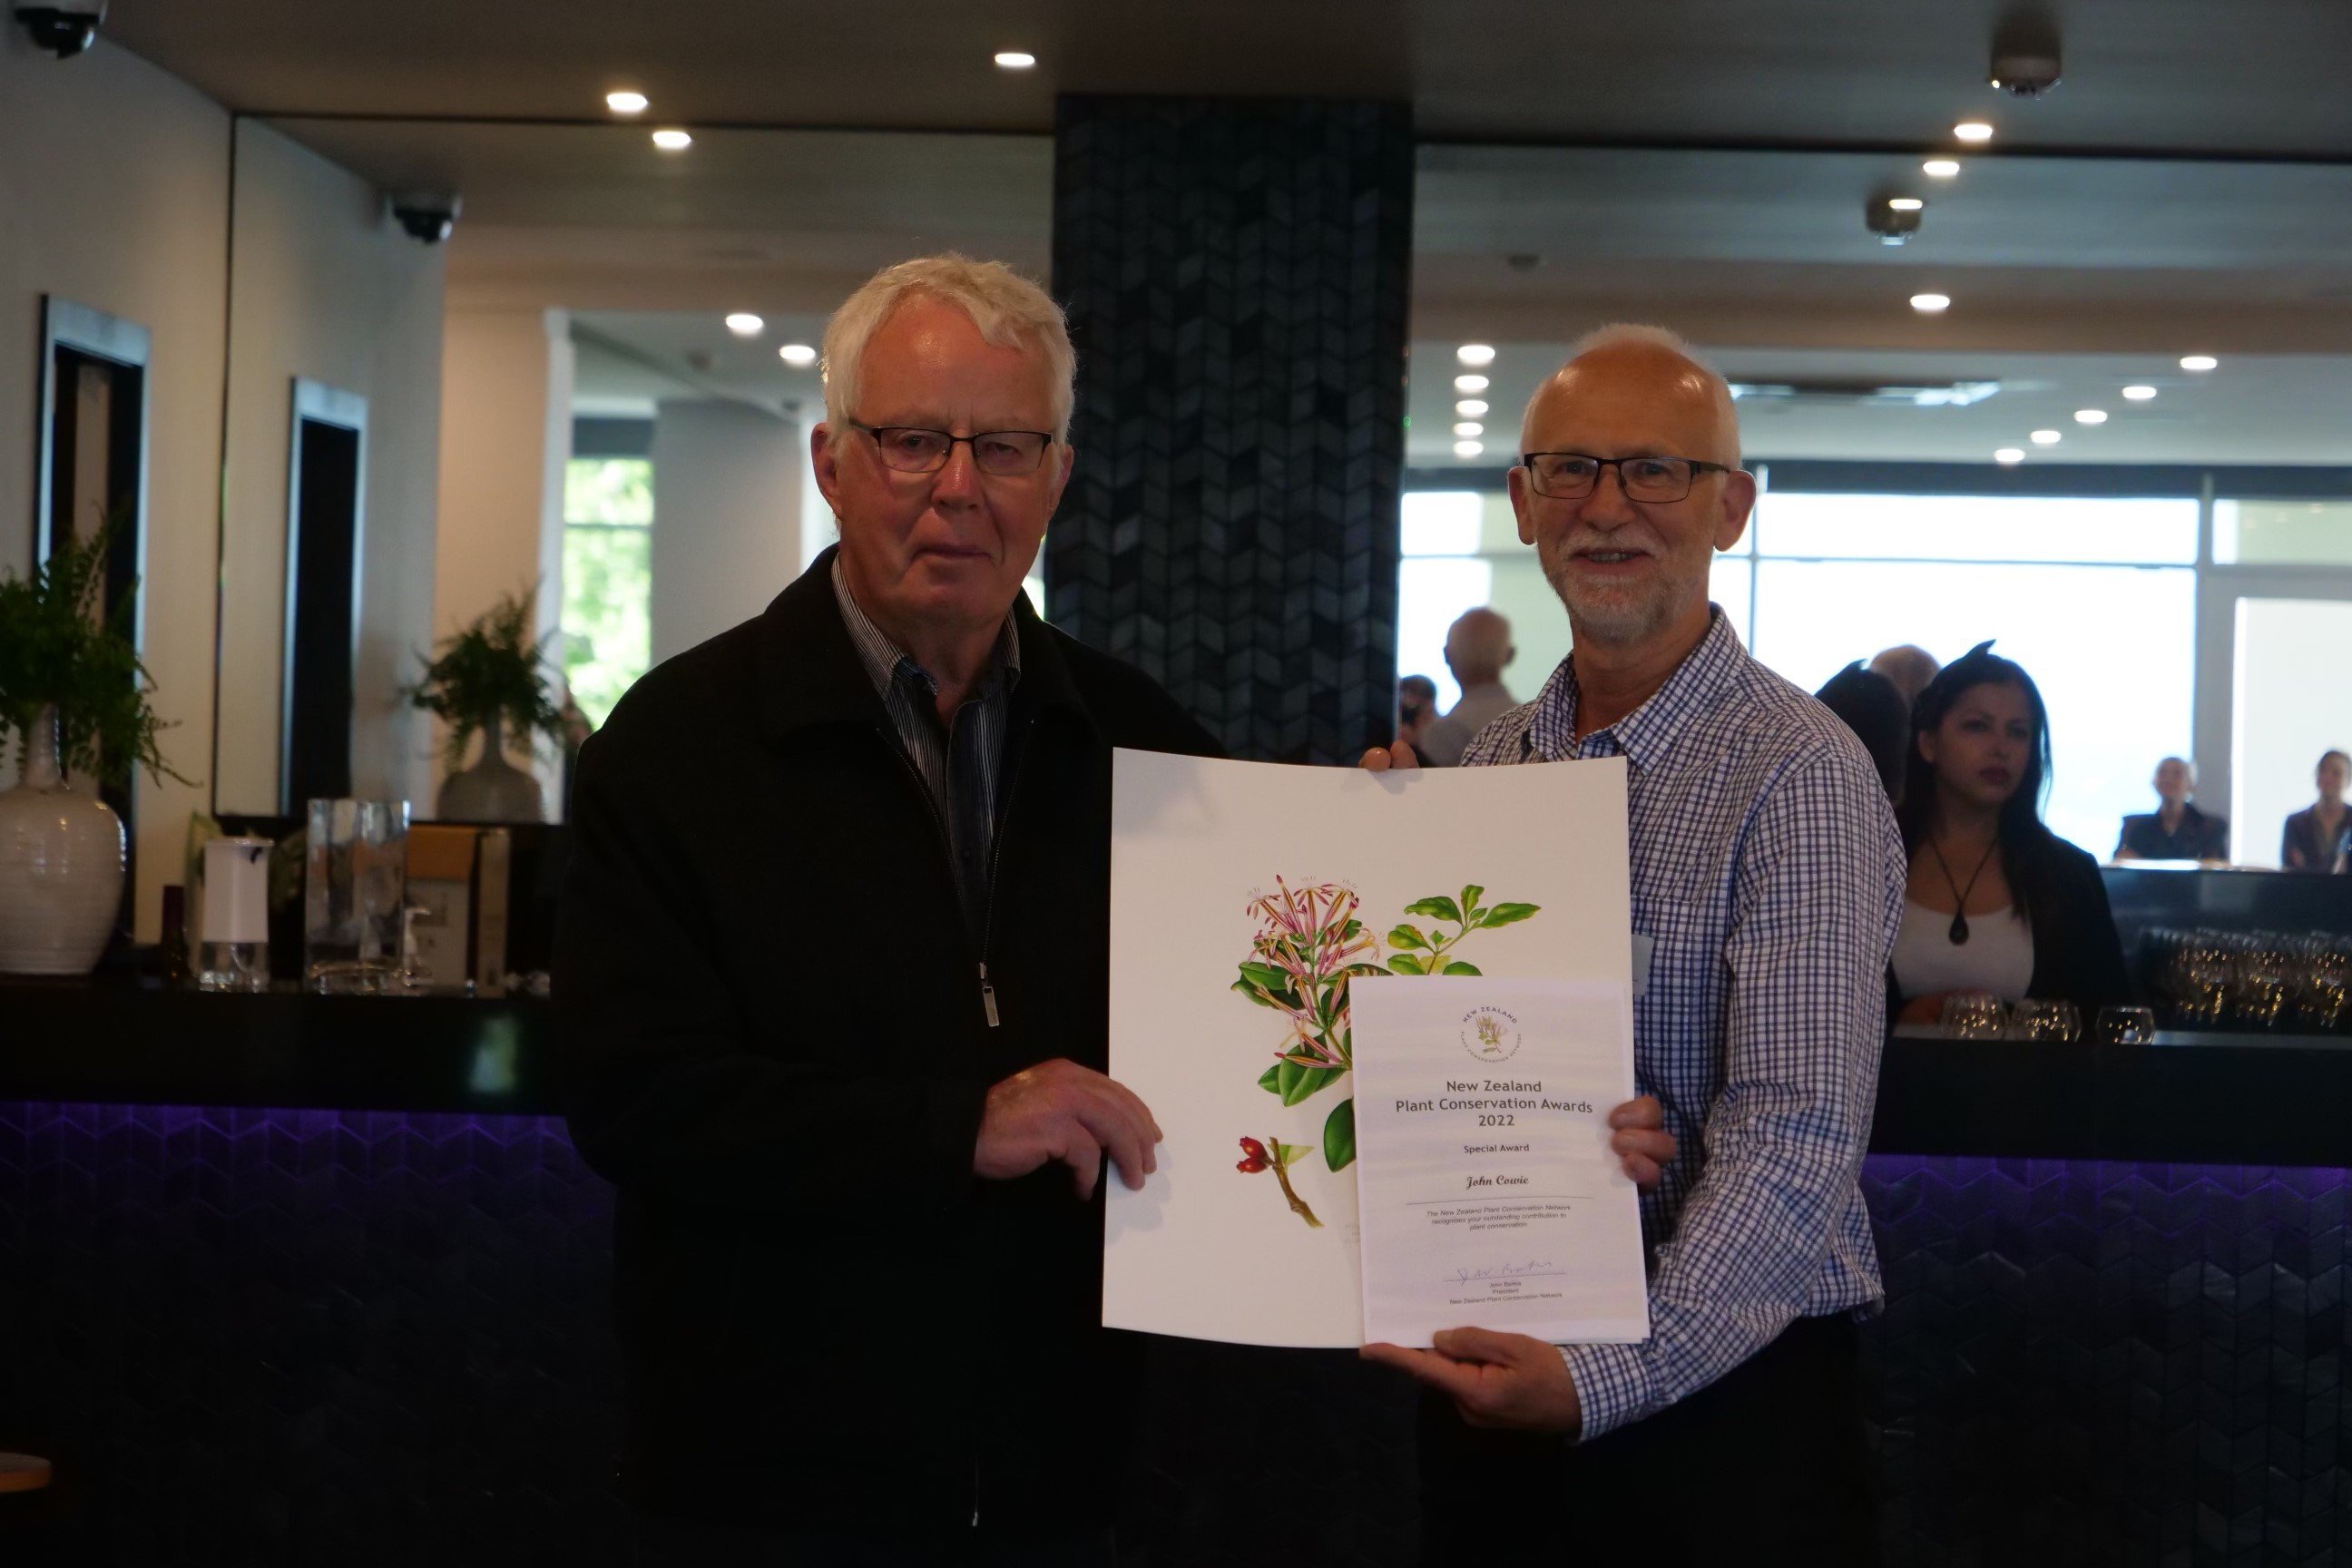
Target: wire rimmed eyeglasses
[913,450]
[1573,475]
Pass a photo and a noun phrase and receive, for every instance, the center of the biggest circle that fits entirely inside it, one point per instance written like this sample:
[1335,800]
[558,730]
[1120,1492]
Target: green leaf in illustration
[1352,931]
[1307,1082]
[1267,1080]
[1470,896]
[1339,1136]
[1509,914]
[1293,1153]
[1406,963]
[1407,936]
[1265,974]
[1253,993]
[1458,967]
[1437,909]
[1477,917]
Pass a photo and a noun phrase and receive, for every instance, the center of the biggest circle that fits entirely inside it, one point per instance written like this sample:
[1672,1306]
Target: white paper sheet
[1210,861]
[1487,1191]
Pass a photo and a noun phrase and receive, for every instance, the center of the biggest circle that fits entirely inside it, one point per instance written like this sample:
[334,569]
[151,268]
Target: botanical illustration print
[1310,944]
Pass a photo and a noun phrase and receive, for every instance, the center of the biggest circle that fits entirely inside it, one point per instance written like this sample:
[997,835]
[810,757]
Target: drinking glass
[2125,1026]
[1974,1015]
[355,878]
[2052,1021]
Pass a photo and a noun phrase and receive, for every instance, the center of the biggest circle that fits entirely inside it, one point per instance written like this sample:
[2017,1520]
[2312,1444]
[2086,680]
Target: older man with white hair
[1477,649]
[832,983]
[1766,886]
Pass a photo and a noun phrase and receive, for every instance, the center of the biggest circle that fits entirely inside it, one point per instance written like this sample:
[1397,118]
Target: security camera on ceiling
[1891,224]
[64,31]
[2025,59]
[428,216]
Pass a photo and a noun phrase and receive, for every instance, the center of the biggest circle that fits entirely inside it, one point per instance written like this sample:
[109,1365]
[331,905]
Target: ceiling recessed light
[1906,204]
[2198,362]
[1941,168]
[2139,393]
[797,354]
[2045,438]
[1471,408]
[744,324]
[1973,131]
[626,102]
[1467,448]
[2090,417]
[1930,304]
[672,141]
[1015,61]
[1469,384]
[1476,353]
[1469,427]
[2006,456]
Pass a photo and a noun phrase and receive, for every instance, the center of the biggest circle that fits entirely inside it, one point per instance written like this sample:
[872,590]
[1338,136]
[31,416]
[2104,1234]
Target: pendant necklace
[1960,894]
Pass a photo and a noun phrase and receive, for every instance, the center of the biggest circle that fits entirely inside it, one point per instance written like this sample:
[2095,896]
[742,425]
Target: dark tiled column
[1236,273]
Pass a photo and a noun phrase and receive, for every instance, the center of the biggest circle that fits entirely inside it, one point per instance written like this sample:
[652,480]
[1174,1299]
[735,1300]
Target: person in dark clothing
[2319,836]
[2177,830]
[832,985]
[1871,706]
[1995,901]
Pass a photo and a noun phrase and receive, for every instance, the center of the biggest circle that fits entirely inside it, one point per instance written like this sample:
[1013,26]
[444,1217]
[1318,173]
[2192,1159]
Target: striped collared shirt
[1768,878]
[958,763]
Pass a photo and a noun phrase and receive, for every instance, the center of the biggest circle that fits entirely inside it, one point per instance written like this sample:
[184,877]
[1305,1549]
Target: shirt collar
[1647,734]
[884,659]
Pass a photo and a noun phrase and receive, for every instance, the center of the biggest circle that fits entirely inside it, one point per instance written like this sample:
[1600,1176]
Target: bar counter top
[2248,1100]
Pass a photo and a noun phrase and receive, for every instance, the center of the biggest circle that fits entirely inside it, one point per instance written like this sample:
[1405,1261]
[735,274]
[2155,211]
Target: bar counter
[301,1278]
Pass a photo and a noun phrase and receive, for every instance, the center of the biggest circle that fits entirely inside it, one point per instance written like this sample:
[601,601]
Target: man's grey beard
[1614,623]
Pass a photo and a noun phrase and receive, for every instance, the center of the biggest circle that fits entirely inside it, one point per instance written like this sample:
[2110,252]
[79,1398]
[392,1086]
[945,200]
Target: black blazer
[774,1045]
[2302,834]
[2077,955]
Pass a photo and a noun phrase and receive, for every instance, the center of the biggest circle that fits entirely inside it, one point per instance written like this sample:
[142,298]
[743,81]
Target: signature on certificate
[1533,1268]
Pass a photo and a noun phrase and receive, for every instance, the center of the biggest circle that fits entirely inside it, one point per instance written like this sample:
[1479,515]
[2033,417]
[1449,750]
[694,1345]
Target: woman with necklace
[1996,901]
[2318,837]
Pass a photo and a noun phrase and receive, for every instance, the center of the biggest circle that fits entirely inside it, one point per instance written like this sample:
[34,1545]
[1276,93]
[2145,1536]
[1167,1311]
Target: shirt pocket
[1681,1005]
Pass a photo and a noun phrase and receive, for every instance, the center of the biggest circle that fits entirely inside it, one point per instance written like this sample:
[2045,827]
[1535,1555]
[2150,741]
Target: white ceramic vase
[61,866]
[493,789]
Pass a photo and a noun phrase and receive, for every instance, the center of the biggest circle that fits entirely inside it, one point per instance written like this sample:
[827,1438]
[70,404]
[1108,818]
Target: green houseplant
[73,714]
[489,680]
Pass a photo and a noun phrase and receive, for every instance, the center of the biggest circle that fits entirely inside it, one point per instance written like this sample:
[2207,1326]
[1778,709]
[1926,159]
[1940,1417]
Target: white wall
[114,194]
[727,518]
[506,436]
[2286,710]
[327,288]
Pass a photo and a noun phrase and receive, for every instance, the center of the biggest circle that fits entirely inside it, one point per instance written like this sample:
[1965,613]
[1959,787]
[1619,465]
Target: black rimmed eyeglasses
[913,450]
[1571,476]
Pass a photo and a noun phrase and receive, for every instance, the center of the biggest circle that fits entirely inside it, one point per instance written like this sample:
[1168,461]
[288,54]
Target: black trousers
[1769,1464]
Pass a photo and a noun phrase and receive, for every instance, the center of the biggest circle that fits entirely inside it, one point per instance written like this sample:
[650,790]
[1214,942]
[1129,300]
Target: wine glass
[1974,1015]
[2048,1020]
[2125,1026]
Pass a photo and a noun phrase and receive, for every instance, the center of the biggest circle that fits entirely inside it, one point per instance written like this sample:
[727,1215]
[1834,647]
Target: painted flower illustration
[1310,943]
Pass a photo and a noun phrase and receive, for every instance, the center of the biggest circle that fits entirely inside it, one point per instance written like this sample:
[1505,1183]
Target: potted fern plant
[491,680]
[73,714]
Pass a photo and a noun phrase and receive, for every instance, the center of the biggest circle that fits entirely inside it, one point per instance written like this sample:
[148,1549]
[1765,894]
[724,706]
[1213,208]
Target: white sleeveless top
[1998,956]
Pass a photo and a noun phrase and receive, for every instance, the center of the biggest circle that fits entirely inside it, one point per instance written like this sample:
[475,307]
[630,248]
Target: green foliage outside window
[608,511]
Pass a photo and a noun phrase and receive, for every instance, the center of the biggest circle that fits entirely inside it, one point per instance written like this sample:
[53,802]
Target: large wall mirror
[597,388]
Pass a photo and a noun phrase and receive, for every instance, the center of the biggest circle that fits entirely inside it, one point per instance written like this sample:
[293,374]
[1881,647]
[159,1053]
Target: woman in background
[2314,839]
[1996,901]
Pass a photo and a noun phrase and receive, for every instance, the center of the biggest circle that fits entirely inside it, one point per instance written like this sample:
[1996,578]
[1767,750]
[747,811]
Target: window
[608,514]
[2283,532]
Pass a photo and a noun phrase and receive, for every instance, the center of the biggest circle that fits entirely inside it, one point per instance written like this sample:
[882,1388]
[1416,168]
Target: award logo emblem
[1490,1034]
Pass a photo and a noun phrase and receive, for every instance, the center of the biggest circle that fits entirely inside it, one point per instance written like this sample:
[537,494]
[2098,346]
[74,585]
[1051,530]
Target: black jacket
[774,1045]
[2078,956]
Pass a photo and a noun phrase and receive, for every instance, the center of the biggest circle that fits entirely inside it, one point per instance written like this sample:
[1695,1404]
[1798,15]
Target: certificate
[1250,904]
[1485,1188]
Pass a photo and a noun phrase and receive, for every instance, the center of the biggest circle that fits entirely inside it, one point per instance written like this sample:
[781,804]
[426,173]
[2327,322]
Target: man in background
[2178,829]
[1477,648]
[1909,668]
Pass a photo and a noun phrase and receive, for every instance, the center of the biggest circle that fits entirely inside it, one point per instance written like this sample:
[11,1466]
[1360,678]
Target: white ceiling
[2253,76]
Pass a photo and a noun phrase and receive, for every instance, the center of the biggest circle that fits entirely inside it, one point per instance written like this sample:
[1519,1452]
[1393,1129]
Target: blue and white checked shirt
[1767,874]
